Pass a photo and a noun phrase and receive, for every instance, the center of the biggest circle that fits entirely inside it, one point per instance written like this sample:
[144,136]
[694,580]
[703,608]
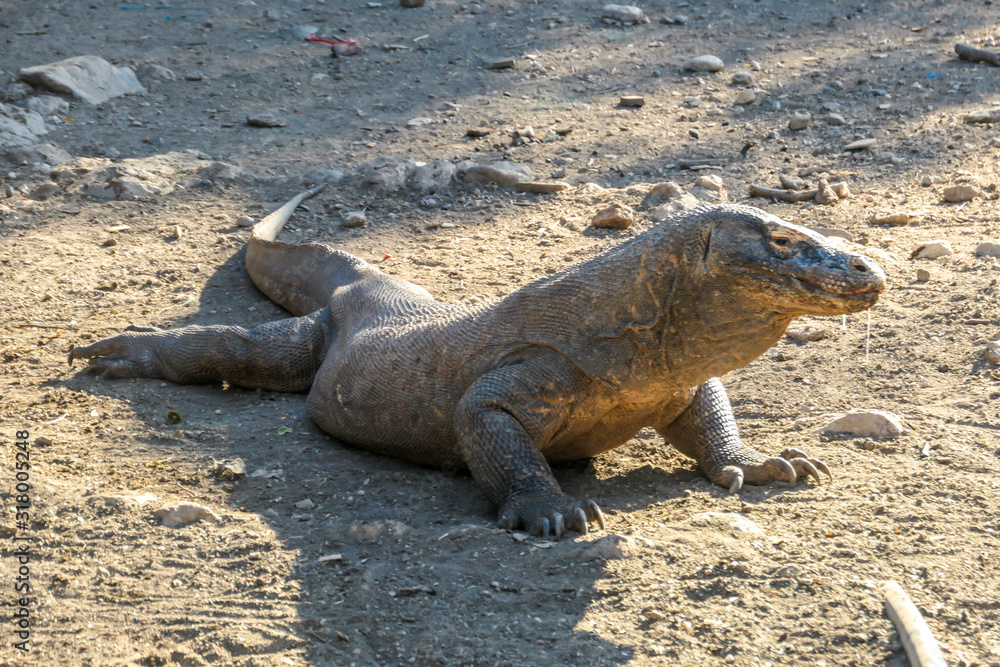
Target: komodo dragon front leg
[279,356]
[502,423]
[706,431]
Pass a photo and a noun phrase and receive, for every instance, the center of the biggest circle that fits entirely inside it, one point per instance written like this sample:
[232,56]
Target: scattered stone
[676,19]
[632,101]
[923,275]
[616,216]
[992,352]
[841,189]
[503,63]
[411,4]
[386,174]
[181,514]
[44,191]
[8,191]
[988,249]
[929,180]
[807,334]
[229,469]
[836,119]
[692,102]
[745,97]
[661,193]
[866,424]
[42,441]
[825,194]
[991,116]
[194,75]
[305,31]
[45,153]
[305,505]
[710,182]
[432,176]
[355,219]
[932,250]
[799,122]
[625,14]
[608,547]
[477,132]
[370,531]
[501,173]
[265,120]
[542,187]
[420,121]
[726,520]
[960,193]
[685,202]
[653,615]
[87,78]
[46,105]
[742,78]
[859,145]
[705,63]
[245,221]
[139,178]
[156,73]
[20,127]
[16,91]
[830,232]
[791,182]
[322,175]
[890,218]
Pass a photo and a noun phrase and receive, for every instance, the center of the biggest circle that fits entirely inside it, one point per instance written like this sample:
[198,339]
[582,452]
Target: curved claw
[805,467]
[822,467]
[580,521]
[595,513]
[544,528]
[560,526]
[736,484]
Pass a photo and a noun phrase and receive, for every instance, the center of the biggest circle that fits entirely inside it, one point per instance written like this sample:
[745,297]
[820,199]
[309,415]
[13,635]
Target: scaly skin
[564,368]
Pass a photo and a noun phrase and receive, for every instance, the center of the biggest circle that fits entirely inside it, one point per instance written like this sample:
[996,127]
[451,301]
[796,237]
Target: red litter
[340,47]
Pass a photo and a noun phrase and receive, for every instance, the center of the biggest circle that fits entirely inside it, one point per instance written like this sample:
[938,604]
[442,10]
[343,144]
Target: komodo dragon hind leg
[706,431]
[279,356]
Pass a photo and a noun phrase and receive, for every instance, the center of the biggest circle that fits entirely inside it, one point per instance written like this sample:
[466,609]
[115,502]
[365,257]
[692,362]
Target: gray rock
[44,191]
[220,171]
[685,202]
[265,120]
[742,78]
[20,127]
[836,119]
[799,122]
[322,175]
[501,173]
[626,14]
[661,193]
[988,249]
[46,105]
[194,75]
[88,78]
[355,219]
[960,193]
[705,64]
[710,181]
[432,176]
[47,153]
[305,31]
[386,174]
[15,92]
[790,182]
[155,72]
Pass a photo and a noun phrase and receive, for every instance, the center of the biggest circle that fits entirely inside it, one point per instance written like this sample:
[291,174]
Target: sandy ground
[391,563]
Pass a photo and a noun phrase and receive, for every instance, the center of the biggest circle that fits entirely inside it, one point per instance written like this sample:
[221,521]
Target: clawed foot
[549,514]
[126,355]
[789,466]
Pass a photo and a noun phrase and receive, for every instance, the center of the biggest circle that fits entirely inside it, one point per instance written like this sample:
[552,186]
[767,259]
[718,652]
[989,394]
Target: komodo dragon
[564,368]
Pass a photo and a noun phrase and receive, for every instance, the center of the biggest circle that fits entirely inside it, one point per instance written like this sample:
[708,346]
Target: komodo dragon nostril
[860,267]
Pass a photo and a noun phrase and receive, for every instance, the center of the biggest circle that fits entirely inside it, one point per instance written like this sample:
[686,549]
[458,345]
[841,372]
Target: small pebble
[859,145]
[245,221]
[790,182]
[923,275]
[960,193]
[742,78]
[745,97]
[799,122]
[988,249]
[355,219]
[705,63]
[932,250]
[615,216]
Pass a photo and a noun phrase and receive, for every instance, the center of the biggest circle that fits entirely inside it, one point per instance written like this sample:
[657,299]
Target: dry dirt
[418,574]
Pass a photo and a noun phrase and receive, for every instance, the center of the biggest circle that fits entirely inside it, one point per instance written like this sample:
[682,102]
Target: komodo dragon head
[760,259]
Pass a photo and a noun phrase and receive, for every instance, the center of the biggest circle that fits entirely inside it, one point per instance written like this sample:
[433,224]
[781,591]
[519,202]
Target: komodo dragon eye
[781,239]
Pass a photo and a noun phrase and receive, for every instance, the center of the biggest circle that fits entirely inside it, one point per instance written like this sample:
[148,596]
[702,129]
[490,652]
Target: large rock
[89,78]
[46,105]
[20,127]
[386,174]
[988,249]
[501,173]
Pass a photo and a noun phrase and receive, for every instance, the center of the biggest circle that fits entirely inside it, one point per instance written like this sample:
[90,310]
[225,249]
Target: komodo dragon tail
[300,278]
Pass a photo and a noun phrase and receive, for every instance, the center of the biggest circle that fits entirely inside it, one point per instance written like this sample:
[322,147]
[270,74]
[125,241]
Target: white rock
[711,182]
[988,249]
[660,193]
[799,122]
[46,105]
[88,78]
[705,63]
[355,219]
[746,97]
[156,73]
[932,250]
[607,548]
[306,504]
[174,516]
[685,202]
[807,334]
[627,14]
[20,127]
[866,424]
[322,175]
[386,174]
[47,153]
[726,520]
[742,78]
[992,352]
[432,176]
